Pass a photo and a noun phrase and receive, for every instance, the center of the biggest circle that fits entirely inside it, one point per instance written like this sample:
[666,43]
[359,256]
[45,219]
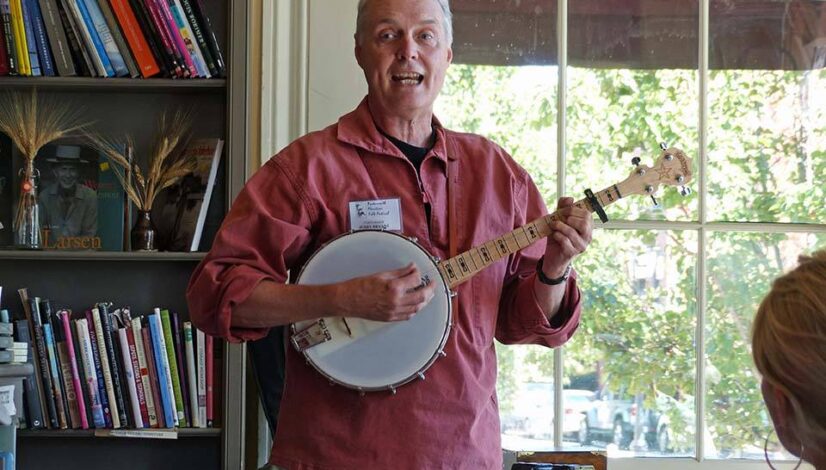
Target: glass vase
[27,219]
[143,233]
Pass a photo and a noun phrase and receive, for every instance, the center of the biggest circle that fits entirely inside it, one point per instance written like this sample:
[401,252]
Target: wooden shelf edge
[69,433]
[52,255]
[103,85]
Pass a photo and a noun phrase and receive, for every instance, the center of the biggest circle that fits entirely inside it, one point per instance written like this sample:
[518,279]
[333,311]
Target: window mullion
[561,102]
[700,395]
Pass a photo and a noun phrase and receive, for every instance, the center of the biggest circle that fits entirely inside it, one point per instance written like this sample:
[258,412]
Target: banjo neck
[465,265]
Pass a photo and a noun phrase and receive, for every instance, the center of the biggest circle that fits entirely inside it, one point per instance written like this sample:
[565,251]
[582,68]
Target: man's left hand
[569,237]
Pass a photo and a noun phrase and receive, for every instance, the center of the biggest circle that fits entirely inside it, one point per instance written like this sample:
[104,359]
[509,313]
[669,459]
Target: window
[668,284]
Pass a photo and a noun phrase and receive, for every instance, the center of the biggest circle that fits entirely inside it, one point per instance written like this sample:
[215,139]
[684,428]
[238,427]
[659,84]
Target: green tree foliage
[766,162]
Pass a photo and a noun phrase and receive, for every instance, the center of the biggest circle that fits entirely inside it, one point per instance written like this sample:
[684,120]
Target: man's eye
[428,36]
[386,36]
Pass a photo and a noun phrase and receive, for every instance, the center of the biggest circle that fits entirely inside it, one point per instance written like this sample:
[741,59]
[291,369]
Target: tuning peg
[656,204]
[663,145]
[635,161]
[685,190]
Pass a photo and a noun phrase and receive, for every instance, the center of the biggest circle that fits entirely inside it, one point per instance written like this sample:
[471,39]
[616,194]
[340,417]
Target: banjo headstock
[673,168]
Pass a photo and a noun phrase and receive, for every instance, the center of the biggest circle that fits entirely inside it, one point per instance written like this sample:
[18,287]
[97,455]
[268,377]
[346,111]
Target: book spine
[129,374]
[168,24]
[33,321]
[43,357]
[200,353]
[209,33]
[8,37]
[143,367]
[120,42]
[55,376]
[198,35]
[173,366]
[84,400]
[111,350]
[152,371]
[180,358]
[31,42]
[87,358]
[210,380]
[68,367]
[80,58]
[41,41]
[153,38]
[20,37]
[109,46]
[32,397]
[162,366]
[108,380]
[136,349]
[5,56]
[57,38]
[190,43]
[94,42]
[190,373]
[133,35]
[56,371]
[165,37]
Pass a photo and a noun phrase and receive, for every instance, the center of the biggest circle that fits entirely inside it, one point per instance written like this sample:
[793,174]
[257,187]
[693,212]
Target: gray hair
[447,19]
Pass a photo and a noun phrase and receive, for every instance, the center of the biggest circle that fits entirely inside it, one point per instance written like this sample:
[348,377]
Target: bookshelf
[143,280]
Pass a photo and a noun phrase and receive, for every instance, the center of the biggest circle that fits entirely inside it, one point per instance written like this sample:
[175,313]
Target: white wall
[335,82]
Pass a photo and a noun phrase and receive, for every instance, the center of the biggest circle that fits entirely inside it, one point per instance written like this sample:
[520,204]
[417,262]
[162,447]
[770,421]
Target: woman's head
[789,349]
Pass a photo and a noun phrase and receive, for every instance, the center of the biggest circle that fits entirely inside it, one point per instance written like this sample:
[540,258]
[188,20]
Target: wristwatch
[547,280]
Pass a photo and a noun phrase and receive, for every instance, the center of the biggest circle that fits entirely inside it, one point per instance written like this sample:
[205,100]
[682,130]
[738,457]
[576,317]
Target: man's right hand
[385,296]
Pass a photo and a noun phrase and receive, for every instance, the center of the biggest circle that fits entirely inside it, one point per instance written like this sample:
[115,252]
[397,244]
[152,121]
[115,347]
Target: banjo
[371,356]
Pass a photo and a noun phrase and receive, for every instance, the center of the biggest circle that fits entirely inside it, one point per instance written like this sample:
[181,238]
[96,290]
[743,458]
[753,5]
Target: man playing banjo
[390,165]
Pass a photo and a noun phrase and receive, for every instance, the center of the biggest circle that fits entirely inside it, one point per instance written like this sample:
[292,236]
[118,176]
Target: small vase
[27,219]
[143,233]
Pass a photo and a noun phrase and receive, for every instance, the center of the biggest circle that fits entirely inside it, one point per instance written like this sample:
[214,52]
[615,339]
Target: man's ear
[449,55]
[357,51]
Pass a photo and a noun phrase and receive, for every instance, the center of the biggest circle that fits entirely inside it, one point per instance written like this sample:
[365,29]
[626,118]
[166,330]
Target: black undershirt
[416,156]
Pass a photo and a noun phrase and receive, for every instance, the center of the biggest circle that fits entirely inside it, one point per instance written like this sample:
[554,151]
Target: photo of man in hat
[68,208]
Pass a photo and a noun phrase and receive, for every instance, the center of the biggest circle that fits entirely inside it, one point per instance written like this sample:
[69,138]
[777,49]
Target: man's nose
[408,49]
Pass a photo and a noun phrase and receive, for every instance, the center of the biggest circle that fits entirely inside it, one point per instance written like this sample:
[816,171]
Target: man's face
[66,175]
[404,53]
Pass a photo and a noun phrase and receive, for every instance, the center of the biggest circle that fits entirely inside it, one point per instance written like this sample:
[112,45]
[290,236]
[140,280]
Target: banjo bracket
[314,334]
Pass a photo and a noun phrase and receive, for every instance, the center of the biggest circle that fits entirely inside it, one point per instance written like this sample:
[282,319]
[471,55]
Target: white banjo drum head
[376,355]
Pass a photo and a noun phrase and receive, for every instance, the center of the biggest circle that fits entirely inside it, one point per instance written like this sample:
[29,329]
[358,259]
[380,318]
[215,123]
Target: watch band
[547,280]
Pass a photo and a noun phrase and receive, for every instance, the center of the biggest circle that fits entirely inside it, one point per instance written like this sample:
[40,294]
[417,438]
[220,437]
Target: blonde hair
[789,345]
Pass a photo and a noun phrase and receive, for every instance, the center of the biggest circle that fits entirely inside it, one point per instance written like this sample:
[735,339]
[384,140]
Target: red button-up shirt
[298,201]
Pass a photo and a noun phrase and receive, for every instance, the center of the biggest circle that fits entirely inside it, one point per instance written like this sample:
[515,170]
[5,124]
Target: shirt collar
[358,128]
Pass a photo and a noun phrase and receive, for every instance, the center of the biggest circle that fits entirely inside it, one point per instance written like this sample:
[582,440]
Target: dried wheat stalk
[167,162]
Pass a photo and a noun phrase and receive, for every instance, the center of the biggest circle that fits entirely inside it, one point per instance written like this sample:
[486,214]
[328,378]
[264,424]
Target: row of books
[108,38]
[108,369]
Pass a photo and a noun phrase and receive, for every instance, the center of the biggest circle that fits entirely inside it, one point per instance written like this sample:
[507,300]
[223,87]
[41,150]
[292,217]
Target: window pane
[631,85]
[526,396]
[635,347]
[741,268]
[514,107]
[767,119]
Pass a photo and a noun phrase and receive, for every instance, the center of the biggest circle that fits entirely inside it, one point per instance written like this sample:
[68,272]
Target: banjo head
[375,356]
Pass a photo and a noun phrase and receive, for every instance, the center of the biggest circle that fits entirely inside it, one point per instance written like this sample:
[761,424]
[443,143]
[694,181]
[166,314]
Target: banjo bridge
[313,335]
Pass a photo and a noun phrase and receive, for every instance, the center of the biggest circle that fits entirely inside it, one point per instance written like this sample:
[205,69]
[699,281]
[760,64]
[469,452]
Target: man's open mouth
[408,78]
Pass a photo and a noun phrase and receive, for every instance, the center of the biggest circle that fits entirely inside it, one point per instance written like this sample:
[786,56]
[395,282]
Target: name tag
[377,214]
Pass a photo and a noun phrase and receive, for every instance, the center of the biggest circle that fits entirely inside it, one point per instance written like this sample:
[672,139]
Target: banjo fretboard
[465,265]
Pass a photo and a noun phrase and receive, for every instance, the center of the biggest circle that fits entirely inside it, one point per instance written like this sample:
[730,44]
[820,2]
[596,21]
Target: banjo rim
[435,355]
